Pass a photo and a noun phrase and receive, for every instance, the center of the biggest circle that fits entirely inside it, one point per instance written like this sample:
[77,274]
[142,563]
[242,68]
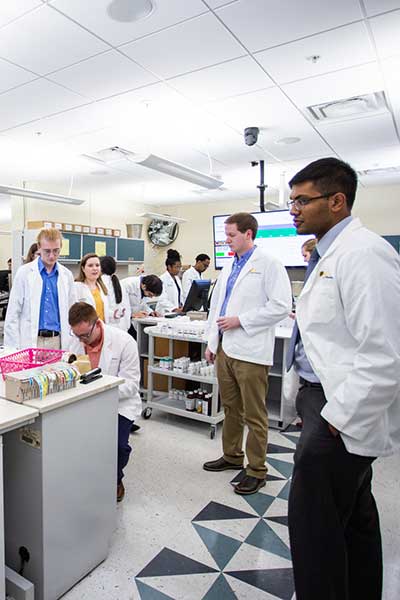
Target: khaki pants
[52,343]
[243,388]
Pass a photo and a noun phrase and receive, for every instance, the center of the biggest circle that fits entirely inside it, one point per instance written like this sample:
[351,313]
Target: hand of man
[209,356]
[154,313]
[333,430]
[226,323]
[139,315]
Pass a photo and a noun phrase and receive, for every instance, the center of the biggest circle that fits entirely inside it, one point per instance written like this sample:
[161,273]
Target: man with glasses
[115,352]
[42,292]
[346,350]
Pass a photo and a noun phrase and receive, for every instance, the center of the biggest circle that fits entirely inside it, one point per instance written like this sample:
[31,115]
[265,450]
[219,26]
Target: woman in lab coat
[90,288]
[172,296]
[118,301]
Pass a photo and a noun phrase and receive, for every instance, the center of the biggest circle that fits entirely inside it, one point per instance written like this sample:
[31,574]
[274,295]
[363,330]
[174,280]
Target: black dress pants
[333,520]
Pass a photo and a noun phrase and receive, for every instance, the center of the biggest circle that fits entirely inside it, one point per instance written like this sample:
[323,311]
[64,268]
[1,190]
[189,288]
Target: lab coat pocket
[324,304]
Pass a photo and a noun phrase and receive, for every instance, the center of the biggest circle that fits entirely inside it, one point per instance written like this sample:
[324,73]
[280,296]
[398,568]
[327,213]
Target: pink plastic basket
[27,359]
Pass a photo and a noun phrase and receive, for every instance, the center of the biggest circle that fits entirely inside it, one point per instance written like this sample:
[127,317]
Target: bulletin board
[71,246]
[100,245]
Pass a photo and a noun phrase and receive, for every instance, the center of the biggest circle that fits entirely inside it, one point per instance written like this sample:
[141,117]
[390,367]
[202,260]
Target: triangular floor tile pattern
[258,561]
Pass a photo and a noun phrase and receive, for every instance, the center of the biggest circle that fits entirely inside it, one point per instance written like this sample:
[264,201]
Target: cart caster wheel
[213,431]
[147,412]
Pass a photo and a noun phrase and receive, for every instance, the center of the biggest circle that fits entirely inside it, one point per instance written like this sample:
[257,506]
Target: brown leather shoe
[221,465]
[120,492]
[249,485]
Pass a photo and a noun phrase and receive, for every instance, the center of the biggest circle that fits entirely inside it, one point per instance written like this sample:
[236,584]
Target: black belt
[48,333]
[311,384]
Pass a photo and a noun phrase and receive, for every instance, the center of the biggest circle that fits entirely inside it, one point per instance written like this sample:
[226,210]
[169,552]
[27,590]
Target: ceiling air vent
[357,106]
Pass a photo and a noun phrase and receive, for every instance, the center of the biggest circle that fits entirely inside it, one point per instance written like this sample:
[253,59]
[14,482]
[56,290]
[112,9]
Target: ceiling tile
[368,159]
[266,109]
[167,13]
[361,134]
[61,42]
[391,71]
[186,48]
[340,48]
[44,97]
[374,7]
[363,79]
[385,29]
[223,80]
[260,24]
[12,10]
[103,75]
[11,76]
[217,3]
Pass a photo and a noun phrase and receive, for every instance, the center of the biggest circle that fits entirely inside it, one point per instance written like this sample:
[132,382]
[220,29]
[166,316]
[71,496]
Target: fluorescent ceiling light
[157,163]
[14,191]
[161,217]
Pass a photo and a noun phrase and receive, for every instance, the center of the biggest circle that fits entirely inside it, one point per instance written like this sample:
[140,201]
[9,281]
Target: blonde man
[41,295]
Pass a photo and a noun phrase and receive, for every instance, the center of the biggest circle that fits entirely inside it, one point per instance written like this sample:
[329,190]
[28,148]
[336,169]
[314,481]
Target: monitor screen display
[276,234]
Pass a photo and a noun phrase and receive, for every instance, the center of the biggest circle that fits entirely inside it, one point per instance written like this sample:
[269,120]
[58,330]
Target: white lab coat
[84,294]
[169,298]
[119,357]
[261,297]
[132,287]
[22,319]
[188,277]
[122,311]
[347,314]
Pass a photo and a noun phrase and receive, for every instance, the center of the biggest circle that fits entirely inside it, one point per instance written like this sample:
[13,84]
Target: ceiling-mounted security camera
[251,135]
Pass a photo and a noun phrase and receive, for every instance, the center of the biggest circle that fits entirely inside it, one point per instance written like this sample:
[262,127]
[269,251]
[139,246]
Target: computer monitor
[4,281]
[197,297]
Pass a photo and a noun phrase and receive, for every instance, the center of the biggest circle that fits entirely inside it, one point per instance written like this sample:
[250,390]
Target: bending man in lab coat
[115,352]
[251,296]
[346,351]
[42,292]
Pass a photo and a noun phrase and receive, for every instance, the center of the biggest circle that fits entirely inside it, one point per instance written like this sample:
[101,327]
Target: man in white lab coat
[346,350]
[115,352]
[202,262]
[251,296]
[41,294]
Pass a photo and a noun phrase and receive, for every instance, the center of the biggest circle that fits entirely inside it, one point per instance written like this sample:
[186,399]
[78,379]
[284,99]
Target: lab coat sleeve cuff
[331,415]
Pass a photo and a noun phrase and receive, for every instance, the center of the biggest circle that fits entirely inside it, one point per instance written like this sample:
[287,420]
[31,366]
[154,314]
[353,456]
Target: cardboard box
[93,229]
[86,229]
[58,226]
[39,225]
[100,230]
[160,382]
[68,227]
[78,228]
[161,347]
[116,232]
[108,231]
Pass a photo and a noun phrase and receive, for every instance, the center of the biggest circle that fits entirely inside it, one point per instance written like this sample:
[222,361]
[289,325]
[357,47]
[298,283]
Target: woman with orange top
[90,287]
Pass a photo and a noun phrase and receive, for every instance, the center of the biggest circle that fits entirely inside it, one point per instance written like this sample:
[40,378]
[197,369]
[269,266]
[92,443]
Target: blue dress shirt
[301,362]
[49,316]
[237,266]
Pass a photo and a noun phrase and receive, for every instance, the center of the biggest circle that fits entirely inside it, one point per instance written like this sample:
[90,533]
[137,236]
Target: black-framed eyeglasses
[302,201]
[84,336]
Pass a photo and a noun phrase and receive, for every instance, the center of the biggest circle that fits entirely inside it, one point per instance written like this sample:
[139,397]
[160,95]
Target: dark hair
[81,275]
[173,257]
[330,175]
[108,267]
[243,222]
[81,312]
[31,253]
[153,284]
[202,257]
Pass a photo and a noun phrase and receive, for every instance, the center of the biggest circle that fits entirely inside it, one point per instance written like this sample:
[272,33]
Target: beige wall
[378,208]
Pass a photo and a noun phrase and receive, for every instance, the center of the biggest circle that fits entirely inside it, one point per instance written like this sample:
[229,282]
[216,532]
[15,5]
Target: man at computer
[251,296]
[202,262]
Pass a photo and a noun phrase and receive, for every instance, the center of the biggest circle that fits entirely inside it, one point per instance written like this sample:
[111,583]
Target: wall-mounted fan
[162,232]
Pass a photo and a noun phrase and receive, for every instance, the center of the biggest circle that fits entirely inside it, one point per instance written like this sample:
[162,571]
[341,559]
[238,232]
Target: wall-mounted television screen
[276,234]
